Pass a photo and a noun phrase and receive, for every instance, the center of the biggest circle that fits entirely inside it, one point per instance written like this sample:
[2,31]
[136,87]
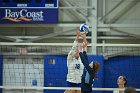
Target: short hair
[130,90]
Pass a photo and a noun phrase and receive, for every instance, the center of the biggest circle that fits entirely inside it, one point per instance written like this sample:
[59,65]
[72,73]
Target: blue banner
[28,15]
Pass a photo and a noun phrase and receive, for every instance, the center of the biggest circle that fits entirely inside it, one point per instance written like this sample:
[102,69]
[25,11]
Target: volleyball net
[26,67]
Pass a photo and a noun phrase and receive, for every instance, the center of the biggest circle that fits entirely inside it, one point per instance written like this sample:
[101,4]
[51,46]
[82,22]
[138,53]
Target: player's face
[76,53]
[91,64]
[121,80]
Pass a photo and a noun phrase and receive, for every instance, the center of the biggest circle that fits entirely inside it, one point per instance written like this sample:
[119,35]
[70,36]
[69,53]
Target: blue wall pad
[55,71]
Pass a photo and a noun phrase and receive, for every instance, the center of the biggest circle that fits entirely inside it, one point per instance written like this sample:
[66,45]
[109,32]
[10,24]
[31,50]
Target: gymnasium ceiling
[118,21]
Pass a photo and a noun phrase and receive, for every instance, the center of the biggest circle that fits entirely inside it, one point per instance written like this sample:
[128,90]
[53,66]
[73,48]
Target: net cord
[59,88]
[65,44]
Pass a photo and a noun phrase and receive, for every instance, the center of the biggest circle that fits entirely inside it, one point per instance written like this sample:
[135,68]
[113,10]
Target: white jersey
[75,67]
[116,91]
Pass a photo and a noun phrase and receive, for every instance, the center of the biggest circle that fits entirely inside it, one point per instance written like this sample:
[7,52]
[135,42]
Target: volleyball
[84,28]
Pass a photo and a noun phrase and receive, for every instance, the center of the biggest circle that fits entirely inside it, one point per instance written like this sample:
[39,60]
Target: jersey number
[77,66]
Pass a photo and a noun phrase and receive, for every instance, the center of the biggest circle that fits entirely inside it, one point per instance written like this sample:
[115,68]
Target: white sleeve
[70,54]
[115,91]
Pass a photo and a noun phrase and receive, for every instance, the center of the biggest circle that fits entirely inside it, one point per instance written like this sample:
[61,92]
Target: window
[51,61]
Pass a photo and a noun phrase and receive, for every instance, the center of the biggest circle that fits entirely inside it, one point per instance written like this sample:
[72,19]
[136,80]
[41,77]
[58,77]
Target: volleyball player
[90,70]
[122,83]
[75,67]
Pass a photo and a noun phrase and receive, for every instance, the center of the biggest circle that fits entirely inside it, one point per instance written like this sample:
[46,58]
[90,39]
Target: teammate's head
[95,67]
[76,53]
[130,90]
[122,81]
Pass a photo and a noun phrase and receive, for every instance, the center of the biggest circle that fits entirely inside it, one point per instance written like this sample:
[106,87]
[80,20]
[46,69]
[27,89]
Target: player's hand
[82,33]
[84,45]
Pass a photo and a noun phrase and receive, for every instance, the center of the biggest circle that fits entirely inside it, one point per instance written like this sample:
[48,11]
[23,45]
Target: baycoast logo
[23,15]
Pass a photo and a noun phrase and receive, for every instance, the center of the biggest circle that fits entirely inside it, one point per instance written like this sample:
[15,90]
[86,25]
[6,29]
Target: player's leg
[70,91]
[78,91]
[70,84]
[78,85]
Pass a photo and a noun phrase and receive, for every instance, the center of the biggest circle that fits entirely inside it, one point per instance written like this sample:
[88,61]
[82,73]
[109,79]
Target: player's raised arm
[74,45]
